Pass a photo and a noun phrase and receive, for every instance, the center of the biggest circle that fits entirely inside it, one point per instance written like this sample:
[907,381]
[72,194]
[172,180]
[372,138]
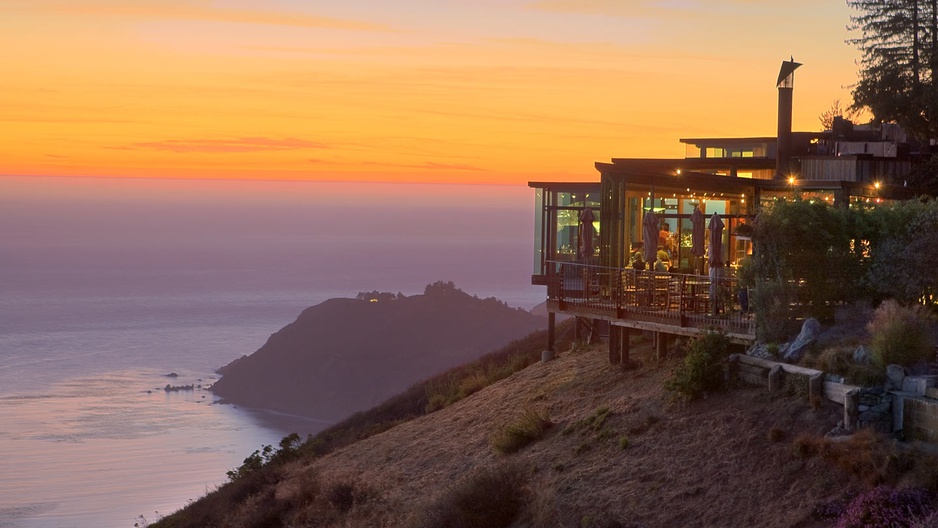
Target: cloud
[193,10]
[244,144]
[429,165]
[595,7]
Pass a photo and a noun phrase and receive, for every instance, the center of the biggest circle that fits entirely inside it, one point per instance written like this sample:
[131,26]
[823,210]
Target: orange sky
[463,91]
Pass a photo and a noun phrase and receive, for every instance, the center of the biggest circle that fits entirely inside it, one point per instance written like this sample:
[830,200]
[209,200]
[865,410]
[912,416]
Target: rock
[760,350]
[810,331]
[918,384]
[895,375]
[861,356]
[838,431]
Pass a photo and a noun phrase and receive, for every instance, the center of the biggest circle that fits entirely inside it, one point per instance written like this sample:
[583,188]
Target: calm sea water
[107,287]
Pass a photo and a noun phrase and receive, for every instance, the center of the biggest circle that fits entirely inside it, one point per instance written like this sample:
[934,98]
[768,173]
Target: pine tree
[897,79]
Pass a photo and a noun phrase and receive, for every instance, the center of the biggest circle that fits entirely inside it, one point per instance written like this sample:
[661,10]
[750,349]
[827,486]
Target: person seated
[636,255]
[664,257]
[661,265]
[638,262]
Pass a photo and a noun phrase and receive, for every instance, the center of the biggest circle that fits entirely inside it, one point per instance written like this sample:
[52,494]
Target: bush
[493,497]
[529,428]
[702,369]
[872,457]
[884,507]
[900,335]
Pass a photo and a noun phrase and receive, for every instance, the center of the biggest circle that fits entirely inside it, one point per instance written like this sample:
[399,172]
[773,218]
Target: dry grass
[900,335]
[527,428]
[873,458]
[725,460]
[490,497]
[709,461]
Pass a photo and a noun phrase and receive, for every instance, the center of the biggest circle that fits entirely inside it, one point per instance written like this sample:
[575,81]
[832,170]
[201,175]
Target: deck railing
[669,298]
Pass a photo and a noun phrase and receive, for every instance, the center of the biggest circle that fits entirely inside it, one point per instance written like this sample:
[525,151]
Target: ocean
[112,289]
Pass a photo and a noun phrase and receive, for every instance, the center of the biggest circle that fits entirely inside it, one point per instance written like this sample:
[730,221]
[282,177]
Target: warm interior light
[791,179]
[876,185]
[679,172]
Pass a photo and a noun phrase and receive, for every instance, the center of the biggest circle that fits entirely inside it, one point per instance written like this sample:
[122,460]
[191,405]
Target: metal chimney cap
[788,67]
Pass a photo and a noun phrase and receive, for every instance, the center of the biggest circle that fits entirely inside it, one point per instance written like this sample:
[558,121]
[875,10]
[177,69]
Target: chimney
[785,84]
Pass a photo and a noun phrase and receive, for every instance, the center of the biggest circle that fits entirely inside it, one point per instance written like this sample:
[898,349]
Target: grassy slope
[728,460]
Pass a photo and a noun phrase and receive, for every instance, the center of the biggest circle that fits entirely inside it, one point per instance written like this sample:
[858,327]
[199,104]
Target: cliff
[347,355]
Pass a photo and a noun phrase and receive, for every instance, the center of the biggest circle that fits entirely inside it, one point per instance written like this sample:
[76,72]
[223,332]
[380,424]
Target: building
[586,234]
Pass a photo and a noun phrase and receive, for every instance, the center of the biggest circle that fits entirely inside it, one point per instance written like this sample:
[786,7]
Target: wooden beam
[768,364]
[837,392]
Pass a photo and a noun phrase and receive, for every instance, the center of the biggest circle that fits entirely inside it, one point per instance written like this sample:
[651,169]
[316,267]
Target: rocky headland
[348,355]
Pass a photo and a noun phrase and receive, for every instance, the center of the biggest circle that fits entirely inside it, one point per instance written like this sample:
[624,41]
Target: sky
[451,91]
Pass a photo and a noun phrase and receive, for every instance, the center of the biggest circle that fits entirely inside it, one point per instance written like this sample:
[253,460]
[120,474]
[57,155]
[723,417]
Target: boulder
[861,356]
[918,385]
[760,350]
[895,376]
[810,331]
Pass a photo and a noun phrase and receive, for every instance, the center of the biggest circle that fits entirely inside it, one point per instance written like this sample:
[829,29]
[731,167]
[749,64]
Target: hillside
[347,355]
[710,463]
[620,453]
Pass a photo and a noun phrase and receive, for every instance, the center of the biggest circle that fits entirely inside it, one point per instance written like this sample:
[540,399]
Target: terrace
[660,302]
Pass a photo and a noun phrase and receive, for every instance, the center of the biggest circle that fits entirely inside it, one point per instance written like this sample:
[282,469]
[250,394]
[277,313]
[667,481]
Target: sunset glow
[487,91]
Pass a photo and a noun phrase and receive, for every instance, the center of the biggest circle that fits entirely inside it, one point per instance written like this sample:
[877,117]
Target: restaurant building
[589,235]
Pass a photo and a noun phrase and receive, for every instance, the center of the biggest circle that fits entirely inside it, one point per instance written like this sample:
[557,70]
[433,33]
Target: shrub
[702,369]
[886,507]
[289,449]
[493,497]
[528,428]
[900,335]
[593,422]
[872,457]
[776,435]
[341,496]
[839,360]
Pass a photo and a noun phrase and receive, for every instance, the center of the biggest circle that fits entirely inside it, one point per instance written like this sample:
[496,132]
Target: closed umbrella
[716,226]
[585,247]
[698,239]
[650,237]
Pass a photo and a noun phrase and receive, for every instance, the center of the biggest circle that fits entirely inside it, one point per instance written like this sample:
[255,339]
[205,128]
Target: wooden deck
[669,303]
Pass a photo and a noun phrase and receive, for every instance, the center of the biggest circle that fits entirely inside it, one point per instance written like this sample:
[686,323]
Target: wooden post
[732,370]
[775,378]
[661,345]
[615,344]
[577,322]
[551,328]
[626,345]
[816,388]
[851,409]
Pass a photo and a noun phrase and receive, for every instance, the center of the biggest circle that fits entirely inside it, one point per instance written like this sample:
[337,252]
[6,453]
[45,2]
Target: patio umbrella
[716,226]
[698,239]
[585,247]
[650,237]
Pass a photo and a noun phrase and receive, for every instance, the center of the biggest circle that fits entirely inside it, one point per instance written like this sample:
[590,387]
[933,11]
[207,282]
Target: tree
[897,79]
[827,117]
